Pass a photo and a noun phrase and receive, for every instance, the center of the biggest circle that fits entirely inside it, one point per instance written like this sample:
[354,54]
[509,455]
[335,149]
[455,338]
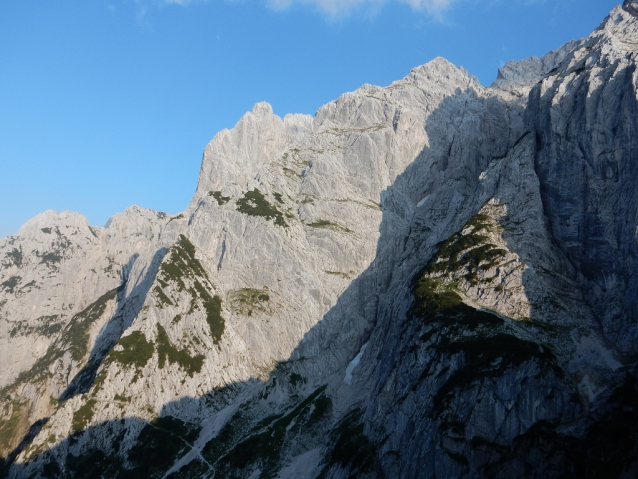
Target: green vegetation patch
[45,326]
[13,427]
[488,352]
[120,398]
[162,299]
[49,329]
[14,257]
[266,446]
[51,258]
[74,338]
[155,450]
[322,407]
[291,173]
[10,284]
[432,297]
[228,434]
[177,217]
[296,380]
[136,350]
[46,230]
[167,352]
[488,347]
[329,225]
[471,251]
[30,284]
[255,204]
[221,199]
[83,416]
[181,263]
[213,308]
[339,273]
[247,300]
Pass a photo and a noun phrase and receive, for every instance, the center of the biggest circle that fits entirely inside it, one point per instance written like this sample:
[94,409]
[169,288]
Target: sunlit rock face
[431,279]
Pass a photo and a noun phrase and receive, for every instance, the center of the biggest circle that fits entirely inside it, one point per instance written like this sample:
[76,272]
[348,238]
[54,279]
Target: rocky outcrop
[431,279]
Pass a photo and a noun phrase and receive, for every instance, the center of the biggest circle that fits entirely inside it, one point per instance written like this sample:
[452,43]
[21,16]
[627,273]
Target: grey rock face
[528,72]
[431,279]
[584,116]
[631,6]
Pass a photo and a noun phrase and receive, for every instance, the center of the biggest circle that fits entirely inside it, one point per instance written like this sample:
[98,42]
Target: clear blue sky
[104,104]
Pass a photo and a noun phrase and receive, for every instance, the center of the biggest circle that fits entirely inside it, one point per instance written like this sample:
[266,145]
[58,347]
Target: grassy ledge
[247,300]
[470,252]
[221,199]
[134,350]
[168,353]
[180,268]
[254,203]
[329,225]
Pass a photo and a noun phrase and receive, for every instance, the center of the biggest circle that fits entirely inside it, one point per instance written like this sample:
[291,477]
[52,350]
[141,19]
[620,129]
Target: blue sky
[104,104]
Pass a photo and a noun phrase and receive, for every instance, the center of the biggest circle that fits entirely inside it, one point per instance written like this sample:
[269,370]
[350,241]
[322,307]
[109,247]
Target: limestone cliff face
[431,279]
[584,115]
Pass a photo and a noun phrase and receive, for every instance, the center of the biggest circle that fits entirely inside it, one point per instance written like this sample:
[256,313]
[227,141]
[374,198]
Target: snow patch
[423,200]
[303,466]
[255,475]
[353,364]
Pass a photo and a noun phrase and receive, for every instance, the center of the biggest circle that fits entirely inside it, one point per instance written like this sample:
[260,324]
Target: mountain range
[432,279]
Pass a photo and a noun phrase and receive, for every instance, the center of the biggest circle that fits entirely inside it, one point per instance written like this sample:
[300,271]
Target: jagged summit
[234,156]
[429,279]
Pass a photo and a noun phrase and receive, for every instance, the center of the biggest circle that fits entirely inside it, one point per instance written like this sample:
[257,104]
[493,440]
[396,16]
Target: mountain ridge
[332,296]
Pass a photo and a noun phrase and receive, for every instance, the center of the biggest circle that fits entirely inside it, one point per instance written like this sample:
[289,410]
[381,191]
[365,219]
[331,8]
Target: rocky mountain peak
[234,156]
[51,219]
[262,109]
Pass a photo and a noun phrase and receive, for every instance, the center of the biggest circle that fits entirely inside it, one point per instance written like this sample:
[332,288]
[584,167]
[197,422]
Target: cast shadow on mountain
[446,171]
[360,299]
[128,307]
[590,268]
[591,201]
[586,172]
